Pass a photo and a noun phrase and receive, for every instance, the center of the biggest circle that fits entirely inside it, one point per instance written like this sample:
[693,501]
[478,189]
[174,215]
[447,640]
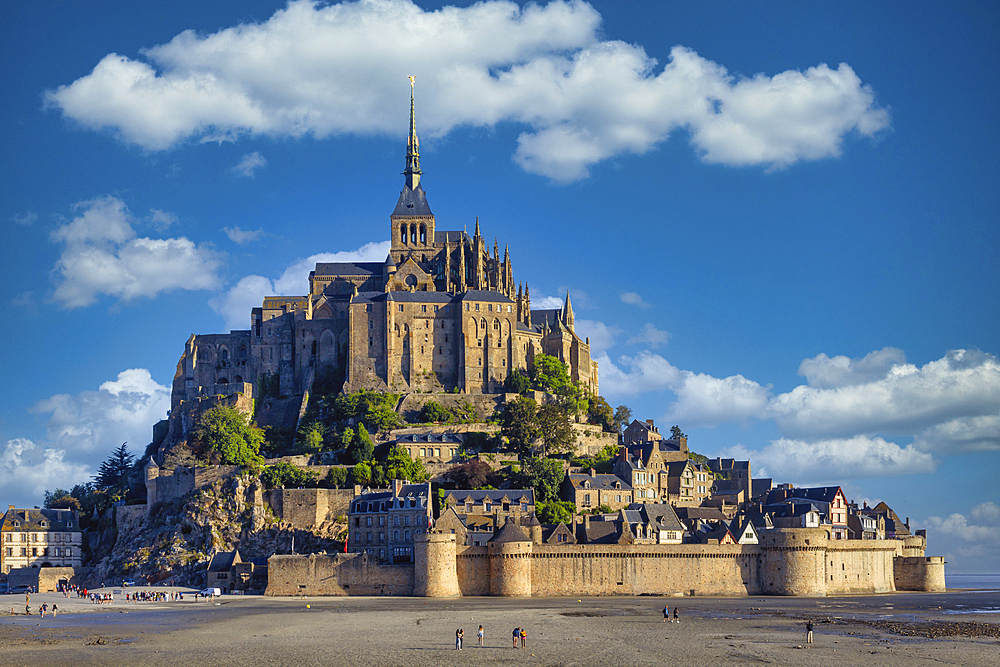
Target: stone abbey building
[440,314]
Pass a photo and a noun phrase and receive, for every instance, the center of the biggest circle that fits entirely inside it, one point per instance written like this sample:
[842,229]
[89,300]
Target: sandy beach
[955,628]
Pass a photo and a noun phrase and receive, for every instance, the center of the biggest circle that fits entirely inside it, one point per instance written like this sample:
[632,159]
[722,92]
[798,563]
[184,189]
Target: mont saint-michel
[413,428]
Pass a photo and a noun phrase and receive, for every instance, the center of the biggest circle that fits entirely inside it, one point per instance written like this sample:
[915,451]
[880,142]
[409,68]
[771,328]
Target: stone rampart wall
[589,439]
[857,566]
[336,574]
[473,569]
[658,570]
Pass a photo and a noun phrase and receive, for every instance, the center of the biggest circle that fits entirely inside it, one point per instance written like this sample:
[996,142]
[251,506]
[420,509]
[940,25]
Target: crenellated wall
[799,562]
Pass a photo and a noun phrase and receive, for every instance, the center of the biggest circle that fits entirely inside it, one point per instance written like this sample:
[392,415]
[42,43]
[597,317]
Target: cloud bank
[322,70]
[102,255]
[81,431]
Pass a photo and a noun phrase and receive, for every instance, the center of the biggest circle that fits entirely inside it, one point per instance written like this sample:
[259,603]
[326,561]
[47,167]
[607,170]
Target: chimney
[649,421]
[10,508]
[593,473]
[586,524]
[398,486]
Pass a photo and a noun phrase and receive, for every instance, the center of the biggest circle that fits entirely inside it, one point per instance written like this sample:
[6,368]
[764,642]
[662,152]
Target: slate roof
[31,519]
[510,533]
[222,561]
[494,495]
[412,202]
[702,513]
[449,438]
[411,297]
[451,237]
[660,516]
[721,465]
[348,268]
[823,494]
[791,508]
[601,481]
[599,532]
[759,487]
[486,295]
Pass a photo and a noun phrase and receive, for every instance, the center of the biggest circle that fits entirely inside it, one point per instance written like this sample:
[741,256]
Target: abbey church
[440,314]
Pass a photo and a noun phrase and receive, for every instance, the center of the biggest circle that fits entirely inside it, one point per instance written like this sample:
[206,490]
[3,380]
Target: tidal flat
[955,628]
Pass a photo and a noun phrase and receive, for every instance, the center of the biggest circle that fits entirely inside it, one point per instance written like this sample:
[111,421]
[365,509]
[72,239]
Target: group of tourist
[102,598]
[666,615]
[153,596]
[519,635]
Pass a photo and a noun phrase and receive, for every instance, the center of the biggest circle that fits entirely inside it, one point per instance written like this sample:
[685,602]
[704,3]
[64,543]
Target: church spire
[412,171]
[567,312]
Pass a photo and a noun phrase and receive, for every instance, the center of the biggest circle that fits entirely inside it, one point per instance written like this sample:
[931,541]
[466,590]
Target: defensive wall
[801,562]
[166,484]
[309,508]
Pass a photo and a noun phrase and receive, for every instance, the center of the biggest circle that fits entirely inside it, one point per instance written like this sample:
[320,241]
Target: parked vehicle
[19,589]
[210,592]
[128,582]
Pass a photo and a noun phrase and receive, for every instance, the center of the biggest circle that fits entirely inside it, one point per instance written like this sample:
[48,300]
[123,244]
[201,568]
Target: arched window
[243,352]
[222,381]
[413,234]
[423,234]
[402,233]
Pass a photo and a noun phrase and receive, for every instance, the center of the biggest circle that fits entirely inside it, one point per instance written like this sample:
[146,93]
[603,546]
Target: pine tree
[113,470]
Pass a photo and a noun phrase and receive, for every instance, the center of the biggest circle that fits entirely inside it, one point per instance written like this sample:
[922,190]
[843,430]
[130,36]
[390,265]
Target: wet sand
[898,629]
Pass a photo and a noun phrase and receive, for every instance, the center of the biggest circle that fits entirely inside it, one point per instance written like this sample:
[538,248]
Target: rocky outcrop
[174,543]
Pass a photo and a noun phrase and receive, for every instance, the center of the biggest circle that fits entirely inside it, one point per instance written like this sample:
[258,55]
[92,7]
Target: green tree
[541,474]
[554,428]
[549,374]
[555,512]
[399,465]
[230,436]
[361,448]
[518,423]
[602,462]
[336,478]
[435,412]
[623,417]
[287,475]
[599,412]
[676,432]
[61,499]
[602,509]
[517,382]
[311,437]
[382,418]
[362,473]
[112,473]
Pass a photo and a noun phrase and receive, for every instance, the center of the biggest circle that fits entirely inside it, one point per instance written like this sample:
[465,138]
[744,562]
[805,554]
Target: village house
[229,572]
[737,473]
[383,522]
[40,538]
[688,482]
[591,491]
[830,501]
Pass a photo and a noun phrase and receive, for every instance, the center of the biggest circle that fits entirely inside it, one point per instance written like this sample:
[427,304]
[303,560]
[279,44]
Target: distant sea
[981,581]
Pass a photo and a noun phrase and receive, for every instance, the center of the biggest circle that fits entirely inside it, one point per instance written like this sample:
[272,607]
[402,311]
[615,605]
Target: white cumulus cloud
[602,336]
[650,335]
[830,372]
[234,305]
[633,299]
[320,70]
[95,422]
[27,471]
[249,164]
[103,256]
[242,236]
[820,461]
[905,400]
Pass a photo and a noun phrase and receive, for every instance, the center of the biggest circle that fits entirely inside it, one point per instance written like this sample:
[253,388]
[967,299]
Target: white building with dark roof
[40,538]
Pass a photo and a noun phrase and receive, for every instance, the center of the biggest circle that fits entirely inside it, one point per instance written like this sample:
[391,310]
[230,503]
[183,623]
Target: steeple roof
[510,533]
[412,200]
[567,312]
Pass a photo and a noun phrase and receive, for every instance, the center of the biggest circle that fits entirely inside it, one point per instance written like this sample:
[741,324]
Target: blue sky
[778,222]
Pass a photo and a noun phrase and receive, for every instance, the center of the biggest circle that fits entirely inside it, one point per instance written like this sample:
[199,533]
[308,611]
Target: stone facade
[786,562]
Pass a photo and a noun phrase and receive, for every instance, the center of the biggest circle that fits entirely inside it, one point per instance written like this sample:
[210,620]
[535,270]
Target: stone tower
[794,562]
[434,565]
[510,561]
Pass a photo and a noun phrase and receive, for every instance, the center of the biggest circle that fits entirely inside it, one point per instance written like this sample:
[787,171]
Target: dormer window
[586,485]
[17,524]
[44,524]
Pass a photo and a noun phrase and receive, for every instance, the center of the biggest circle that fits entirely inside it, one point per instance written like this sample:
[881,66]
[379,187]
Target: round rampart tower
[510,561]
[434,565]
[794,561]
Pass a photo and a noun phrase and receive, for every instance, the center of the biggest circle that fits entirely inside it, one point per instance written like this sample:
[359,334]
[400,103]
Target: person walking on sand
[809,632]
[676,618]
[458,639]
[516,635]
[44,608]
[480,635]
[666,613]
[524,635]
[55,608]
